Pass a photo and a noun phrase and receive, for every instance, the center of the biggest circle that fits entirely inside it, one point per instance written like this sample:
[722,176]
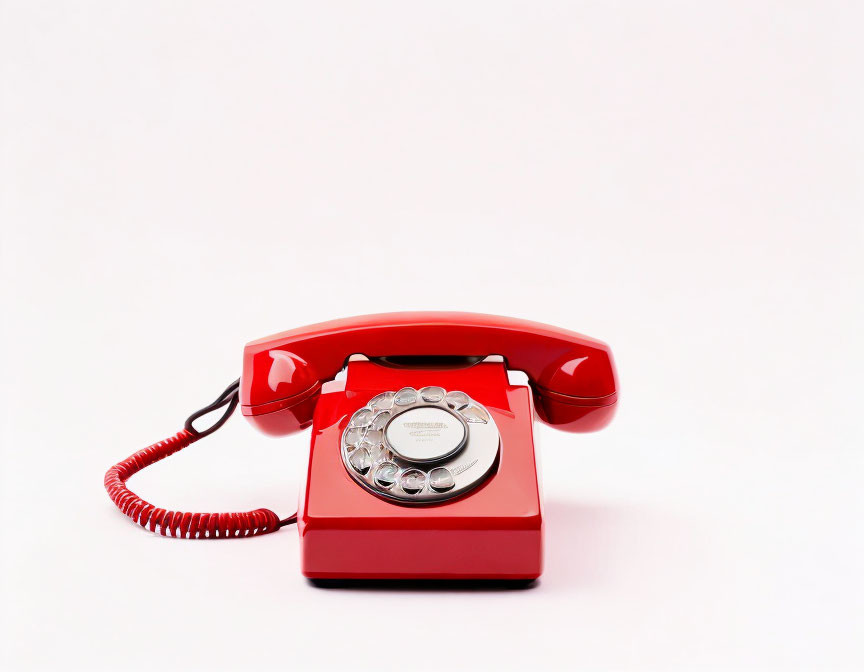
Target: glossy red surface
[493,532]
[573,376]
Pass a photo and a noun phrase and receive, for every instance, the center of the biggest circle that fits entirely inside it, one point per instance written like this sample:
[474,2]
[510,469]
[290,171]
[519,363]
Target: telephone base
[381,555]
[494,532]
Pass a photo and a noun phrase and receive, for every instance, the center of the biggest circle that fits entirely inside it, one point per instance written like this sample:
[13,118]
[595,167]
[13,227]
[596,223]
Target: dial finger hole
[432,394]
[386,474]
[375,436]
[412,481]
[457,400]
[405,396]
[353,437]
[361,418]
[474,413]
[441,480]
[381,420]
[361,460]
[383,401]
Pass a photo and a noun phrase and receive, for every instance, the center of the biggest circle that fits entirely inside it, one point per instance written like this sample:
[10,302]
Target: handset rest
[572,376]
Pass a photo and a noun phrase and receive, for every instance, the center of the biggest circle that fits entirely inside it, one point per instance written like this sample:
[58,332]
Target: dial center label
[425,434]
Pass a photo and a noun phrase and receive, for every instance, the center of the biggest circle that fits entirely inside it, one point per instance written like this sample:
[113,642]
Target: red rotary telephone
[422,458]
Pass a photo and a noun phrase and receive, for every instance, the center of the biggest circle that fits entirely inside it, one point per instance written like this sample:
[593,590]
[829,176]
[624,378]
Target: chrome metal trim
[470,463]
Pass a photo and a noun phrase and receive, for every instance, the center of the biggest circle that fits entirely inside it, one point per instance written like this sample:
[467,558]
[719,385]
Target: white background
[683,181]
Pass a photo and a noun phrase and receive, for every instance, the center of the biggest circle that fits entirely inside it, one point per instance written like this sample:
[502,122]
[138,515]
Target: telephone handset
[422,458]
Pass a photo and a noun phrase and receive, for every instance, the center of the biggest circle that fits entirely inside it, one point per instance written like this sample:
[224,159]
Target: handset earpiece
[578,392]
[294,386]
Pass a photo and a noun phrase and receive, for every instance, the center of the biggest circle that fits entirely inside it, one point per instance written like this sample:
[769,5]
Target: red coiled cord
[179,523]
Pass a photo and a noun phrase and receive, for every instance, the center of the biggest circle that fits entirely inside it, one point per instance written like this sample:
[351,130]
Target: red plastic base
[493,532]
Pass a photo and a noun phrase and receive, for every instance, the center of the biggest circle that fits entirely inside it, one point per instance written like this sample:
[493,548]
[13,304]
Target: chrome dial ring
[420,446]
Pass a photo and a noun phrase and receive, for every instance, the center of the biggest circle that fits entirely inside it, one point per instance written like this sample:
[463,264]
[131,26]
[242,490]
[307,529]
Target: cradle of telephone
[422,459]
